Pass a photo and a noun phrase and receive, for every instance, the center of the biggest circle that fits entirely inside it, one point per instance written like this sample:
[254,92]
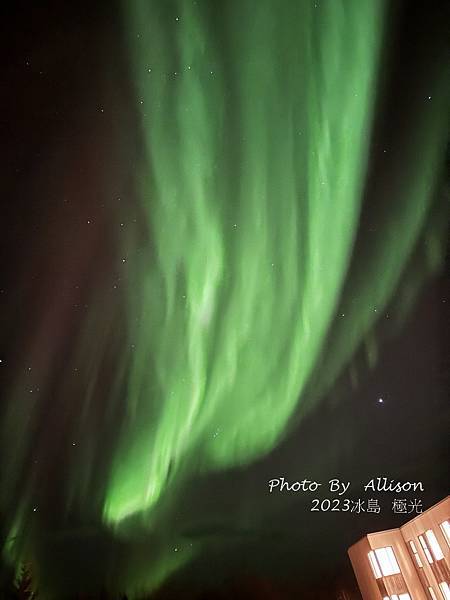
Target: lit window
[445,526]
[445,590]
[374,564]
[436,549]
[415,554]
[425,549]
[432,594]
[387,561]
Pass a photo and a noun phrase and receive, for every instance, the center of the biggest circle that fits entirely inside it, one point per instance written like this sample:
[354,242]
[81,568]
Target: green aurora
[251,181]
[256,123]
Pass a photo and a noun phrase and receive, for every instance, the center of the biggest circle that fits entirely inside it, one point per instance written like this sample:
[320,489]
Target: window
[425,549]
[374,564]
[415,553]
[445,526]
[387,561]
[383,562]
[435,548]
[431,592]
[445,589]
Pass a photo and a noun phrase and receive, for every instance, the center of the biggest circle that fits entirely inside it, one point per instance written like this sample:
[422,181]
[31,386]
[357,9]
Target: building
[409,563]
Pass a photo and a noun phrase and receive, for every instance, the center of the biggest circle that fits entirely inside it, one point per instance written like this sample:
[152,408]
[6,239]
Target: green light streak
[251,182]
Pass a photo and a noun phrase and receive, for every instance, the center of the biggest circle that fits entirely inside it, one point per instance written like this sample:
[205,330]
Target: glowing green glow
[251,181]
[244,299]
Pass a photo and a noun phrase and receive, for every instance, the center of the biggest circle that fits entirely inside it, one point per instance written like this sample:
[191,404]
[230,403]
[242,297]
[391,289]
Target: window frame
[445,528]
[373,561]
[425,549]
[388,559]
[445,589]
[435,547]
[415,554]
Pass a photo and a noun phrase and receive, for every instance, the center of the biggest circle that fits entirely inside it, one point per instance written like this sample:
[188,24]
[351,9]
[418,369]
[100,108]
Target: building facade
[409,563]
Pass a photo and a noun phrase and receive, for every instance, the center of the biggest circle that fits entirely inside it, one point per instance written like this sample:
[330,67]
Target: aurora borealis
[188,322]
[244,245]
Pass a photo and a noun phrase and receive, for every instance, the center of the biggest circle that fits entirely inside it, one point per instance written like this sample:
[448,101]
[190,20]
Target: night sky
[224,241]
